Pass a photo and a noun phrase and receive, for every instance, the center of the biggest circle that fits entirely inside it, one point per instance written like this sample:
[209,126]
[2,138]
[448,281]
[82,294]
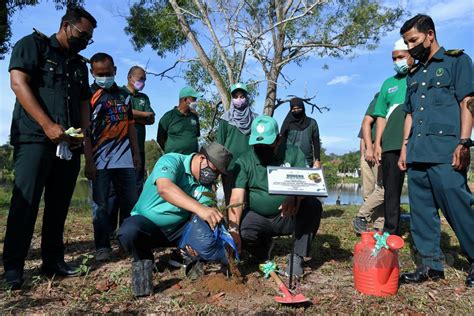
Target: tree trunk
[271,93]
[203,58]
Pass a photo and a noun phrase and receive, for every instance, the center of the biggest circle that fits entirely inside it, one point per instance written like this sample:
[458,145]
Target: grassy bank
[327,281]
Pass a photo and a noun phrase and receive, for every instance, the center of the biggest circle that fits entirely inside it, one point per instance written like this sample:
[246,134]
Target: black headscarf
[295,123]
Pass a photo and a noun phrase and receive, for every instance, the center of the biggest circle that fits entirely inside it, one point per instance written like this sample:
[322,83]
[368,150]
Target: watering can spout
[395,242]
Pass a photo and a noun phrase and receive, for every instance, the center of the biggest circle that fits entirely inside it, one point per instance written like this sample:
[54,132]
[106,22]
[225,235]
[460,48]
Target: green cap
[238,86]
[218,155]
[264,130]
[189,92]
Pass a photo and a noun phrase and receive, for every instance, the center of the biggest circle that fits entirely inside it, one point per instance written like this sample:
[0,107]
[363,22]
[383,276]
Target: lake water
[349,194]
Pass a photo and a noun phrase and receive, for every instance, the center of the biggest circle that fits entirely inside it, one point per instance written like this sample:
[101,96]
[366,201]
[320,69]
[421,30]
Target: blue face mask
[105,82]
[401,67]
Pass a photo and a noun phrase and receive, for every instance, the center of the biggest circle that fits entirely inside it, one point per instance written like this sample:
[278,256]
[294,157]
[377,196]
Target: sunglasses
[83,35]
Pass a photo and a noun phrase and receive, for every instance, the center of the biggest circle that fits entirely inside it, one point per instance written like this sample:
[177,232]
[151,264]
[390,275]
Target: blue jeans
[124,182]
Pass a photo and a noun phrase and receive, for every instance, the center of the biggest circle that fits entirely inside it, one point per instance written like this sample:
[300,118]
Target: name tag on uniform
[296,181]
[392,89]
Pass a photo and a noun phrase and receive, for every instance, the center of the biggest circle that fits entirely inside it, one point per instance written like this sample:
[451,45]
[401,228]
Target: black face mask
[264,154]
[207,176]
[420,52]
[76,44]
[298,114]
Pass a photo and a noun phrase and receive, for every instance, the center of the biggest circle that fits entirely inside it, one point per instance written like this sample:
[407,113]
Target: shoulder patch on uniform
[40,34]
[454,52]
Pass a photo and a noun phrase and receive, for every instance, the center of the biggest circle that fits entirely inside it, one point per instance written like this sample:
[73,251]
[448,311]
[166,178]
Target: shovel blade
[293,299]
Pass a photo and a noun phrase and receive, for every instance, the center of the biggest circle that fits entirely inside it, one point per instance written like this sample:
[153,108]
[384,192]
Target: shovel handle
[276,278]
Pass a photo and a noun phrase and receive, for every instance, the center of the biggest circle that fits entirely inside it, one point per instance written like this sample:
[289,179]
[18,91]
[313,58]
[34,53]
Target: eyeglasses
[83,35]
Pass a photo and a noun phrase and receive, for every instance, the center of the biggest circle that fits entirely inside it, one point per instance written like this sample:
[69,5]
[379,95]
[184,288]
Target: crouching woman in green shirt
[171,194]
[234,131]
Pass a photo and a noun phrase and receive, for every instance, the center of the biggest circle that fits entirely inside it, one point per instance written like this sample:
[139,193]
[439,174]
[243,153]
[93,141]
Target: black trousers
[393,183]
[138,236]
[36,169]
[257,230]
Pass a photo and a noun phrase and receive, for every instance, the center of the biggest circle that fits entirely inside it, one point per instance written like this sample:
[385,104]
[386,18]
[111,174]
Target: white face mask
[105,82]
[401,66]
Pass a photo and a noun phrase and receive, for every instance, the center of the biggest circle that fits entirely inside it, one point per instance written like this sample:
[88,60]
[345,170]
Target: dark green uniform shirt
[140,102]
[180,132]
[307,140]
[234,140]
[251,175]
[434,92]
[59,81]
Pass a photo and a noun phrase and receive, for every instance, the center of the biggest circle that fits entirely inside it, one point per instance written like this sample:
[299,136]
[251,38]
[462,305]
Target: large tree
[274,33]
[9,7]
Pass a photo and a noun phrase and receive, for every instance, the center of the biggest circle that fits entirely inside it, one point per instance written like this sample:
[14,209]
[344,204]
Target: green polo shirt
[234,140]
[180,132]
[251,175]
[59,82]
[140,102]
[151,205]
[389,106]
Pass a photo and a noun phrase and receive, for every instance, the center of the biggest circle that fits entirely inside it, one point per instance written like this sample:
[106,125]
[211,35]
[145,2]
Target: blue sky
[346,87]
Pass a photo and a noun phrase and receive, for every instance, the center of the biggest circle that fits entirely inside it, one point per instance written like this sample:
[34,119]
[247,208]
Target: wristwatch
[466,142]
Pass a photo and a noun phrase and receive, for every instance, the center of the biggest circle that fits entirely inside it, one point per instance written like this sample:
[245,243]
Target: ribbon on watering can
[381,242]
[267,268]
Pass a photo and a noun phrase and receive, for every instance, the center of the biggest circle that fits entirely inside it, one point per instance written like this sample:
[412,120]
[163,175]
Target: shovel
[287,297]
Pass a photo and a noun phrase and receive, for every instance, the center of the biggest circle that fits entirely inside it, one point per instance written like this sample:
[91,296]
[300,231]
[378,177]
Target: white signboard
[296,181]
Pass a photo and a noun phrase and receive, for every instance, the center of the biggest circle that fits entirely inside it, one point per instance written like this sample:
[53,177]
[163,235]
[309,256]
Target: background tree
[349,162]
[9,7]
[152,153]
[275,33]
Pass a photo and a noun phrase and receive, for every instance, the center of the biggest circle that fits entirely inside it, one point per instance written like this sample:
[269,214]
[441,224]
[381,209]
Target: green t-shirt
[151,205]
[140,102]
[180,132]
[251,175]
[389,106]
[234,140]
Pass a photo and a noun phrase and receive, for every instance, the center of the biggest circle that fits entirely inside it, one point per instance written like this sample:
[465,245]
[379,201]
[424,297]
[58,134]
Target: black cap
[218,155]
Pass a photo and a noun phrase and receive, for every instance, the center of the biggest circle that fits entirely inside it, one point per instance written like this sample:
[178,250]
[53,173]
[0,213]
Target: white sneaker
[103,254]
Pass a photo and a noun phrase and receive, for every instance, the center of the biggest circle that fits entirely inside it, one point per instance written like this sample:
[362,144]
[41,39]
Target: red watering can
[376,269]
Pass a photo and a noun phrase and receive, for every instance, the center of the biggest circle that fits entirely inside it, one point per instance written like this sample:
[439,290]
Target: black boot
[60,268]
[14,278]
[142,278]
[470,276]
[422,274]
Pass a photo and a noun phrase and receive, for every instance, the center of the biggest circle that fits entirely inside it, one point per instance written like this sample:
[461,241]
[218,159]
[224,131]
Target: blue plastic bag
[209,244]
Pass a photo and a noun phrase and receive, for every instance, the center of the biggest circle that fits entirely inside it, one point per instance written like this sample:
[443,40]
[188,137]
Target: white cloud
[451,10]
[341,80]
